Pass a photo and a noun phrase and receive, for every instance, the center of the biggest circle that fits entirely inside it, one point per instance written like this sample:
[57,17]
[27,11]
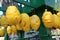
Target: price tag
[56,37]
[31,34]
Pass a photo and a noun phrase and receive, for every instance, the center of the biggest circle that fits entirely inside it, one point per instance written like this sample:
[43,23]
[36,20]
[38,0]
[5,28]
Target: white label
[1,38]
[56,37]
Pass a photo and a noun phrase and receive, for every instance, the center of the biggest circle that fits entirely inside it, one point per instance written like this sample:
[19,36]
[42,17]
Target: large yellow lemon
[47,19]
[13,15]
[35,22]
[25,22]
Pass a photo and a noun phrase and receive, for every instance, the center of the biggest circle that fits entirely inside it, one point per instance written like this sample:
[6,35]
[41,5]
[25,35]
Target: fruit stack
[51,20]
[14,20]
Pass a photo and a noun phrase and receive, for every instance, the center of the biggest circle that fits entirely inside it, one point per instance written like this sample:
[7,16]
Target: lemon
[47,19]
[25,22]
[13,15]
[9,30]
[35,22]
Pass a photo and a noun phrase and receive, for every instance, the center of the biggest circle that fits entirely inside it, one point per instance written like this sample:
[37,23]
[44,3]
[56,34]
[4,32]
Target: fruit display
[47,19]
[16,22]
[13,21]
[35,22]
[51,20]
[13,15]
[27,20]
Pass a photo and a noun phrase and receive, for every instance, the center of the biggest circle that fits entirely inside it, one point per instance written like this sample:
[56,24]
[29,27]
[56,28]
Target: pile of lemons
[14,20]
[51,20]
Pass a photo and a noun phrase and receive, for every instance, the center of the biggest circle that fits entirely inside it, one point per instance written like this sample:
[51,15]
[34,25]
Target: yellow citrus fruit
[47,19]
[2,32]
[13,15]
[25,22]
[4,21]
[9,30]
[14,29]
[56,21]
[35,22]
